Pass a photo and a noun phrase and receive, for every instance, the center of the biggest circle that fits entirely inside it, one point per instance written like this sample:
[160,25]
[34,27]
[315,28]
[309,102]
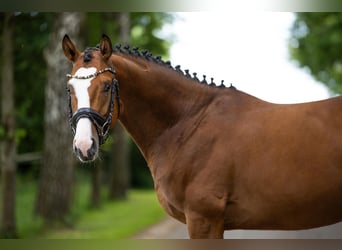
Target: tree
[316,44]
[56,178]
[7,135]
[119,178]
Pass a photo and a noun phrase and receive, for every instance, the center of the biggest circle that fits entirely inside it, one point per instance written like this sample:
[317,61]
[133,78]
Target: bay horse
[220,159]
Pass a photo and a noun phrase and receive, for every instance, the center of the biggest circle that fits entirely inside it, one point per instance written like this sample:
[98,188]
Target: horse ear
[70,50]
[106,47]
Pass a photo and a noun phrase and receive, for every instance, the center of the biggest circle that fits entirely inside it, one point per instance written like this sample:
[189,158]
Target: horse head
[94,104]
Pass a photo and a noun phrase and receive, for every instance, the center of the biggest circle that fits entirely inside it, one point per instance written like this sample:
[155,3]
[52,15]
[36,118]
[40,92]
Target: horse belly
[281,214]
[288,174]
[294,194]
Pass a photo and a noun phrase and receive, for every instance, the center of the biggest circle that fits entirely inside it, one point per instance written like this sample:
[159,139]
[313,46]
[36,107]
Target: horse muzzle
[86,142]
[88,154]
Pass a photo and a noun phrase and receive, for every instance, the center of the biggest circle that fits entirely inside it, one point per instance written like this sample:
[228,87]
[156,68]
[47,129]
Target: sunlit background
[247,49]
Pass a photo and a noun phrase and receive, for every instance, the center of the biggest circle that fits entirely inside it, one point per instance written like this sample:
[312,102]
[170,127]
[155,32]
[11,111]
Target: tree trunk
[119,169]
[57,174]
[7,142]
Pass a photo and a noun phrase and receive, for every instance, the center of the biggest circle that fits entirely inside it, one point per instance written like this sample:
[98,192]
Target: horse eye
[106,87]
[70,90]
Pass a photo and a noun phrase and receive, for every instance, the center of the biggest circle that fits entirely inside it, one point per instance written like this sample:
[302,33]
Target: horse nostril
[79,153]
[92,150]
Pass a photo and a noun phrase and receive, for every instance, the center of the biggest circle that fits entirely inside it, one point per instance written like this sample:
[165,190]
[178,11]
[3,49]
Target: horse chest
[171,200]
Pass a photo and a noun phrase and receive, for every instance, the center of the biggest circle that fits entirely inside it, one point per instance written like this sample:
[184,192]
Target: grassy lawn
[113,220]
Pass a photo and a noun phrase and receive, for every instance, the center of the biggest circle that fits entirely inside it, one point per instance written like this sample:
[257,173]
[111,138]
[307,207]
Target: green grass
[113,220]
[28,225]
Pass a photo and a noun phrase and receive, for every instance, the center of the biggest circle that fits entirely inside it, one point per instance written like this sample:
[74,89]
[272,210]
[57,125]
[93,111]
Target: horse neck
[155,98]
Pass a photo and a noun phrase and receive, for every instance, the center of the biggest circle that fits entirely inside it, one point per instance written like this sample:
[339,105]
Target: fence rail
[28,157]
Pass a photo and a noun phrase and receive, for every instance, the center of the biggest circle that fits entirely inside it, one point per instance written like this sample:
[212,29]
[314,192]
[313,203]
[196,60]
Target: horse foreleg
[202,227]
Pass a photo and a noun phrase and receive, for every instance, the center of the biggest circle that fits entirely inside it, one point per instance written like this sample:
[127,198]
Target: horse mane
[147,55]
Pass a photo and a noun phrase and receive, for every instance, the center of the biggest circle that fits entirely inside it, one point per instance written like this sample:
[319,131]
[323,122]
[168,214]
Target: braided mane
[146,55]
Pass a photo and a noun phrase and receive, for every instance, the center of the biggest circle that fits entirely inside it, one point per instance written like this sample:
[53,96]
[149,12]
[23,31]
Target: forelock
[88,54]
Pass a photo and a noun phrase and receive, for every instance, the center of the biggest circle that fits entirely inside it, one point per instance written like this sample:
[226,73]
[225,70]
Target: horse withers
[220,159]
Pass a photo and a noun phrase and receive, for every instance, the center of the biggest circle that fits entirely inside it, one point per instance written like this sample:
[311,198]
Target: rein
[101,123]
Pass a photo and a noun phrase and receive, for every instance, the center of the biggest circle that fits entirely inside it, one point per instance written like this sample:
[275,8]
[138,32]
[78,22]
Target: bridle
[101,123]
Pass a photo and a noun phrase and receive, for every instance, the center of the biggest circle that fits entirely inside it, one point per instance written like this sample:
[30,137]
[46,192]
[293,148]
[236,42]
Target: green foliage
[17,136]
[2,132]
[144,32]
[20,134]
[31,38]
[316,44]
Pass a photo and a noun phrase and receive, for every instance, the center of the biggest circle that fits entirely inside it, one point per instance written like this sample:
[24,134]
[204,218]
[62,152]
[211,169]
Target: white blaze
[82,139]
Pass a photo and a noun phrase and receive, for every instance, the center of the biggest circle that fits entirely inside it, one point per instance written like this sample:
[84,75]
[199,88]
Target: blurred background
[46,193]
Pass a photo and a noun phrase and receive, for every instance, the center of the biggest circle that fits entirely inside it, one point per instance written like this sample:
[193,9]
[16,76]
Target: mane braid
[146,55]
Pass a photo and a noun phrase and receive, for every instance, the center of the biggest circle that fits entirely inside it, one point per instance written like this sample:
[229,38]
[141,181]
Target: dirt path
[169,228]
